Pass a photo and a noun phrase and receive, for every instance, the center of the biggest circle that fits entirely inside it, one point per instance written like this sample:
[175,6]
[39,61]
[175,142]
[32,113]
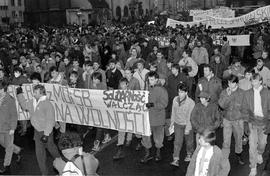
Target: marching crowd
[195,88]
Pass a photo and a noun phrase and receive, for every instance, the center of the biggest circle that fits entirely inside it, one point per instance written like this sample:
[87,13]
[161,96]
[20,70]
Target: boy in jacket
[42,119]
[180,120]
[158,101]
[256,108]
[231,101]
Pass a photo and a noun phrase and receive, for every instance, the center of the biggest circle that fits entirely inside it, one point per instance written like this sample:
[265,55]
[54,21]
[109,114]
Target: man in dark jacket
[8,124]
[113,75]
[158,101]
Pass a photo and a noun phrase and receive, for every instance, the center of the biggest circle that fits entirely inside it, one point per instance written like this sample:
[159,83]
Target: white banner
[234,40]
[112,109]
[257,16]
[223,12]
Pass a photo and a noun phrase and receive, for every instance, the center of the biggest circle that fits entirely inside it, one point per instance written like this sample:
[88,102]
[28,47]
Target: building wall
[13,10]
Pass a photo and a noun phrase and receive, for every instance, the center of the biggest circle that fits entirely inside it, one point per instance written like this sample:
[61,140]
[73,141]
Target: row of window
[14,14]
[19,2]
[3,7]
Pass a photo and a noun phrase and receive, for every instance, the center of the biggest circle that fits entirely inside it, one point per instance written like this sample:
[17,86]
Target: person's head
[14,61]
[114,55]
[216,50]
[175,69]
[173,43]
[73,77]
[233,81]
[112,63]
[58,57]
[260,63]
[207,71]
[23,60]
[199,43]
[88,65]
[69,141]
[2,73]
[118,65]
[128,73]
[265,54]
[155,49]
[236,62]
[66,61]
[123,84]
[38,68]
[249,72]
[186,53]
[53,72]
[225,39]
[39,91]
[35,78]
[256,80]
[153,66]
[140,65]
[17,72]
[204,97]
[76,63]
[159,55]
[153,78]
[207,138]
[3,87]
[97,77]
[182,89]
[134,52]
[96,65]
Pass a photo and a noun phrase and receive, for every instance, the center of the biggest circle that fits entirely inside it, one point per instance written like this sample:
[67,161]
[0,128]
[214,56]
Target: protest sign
[234,40]
[257,16]
[223,12]
[112,109]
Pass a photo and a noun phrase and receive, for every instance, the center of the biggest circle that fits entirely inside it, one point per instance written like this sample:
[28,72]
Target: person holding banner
[8,124]
[42,118]
[157,103]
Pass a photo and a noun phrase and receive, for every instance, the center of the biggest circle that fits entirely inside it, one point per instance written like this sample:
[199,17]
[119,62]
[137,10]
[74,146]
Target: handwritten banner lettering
[112,109]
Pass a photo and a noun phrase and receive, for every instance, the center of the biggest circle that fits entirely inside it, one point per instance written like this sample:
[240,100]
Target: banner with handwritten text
[112,109]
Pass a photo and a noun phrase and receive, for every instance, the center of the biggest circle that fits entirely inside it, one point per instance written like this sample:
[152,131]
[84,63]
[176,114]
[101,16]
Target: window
[19,2]
[12,2]
[13,14]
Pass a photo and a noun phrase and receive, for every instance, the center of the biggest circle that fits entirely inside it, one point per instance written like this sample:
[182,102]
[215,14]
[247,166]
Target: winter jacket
[134,84]
[265,74]
[113,78]
[19,81]
[42,117]
[200,55]
[189,62]
[181,112]
[248,107]
[175,54]
[159,96]
[205,117]
[213,87]
[218,166]
[218,69]
[8,111]
[231,104]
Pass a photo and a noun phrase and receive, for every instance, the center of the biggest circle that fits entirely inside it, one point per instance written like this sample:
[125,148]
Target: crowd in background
[195,87]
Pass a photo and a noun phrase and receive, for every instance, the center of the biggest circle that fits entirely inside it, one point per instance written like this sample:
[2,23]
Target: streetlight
[79,14]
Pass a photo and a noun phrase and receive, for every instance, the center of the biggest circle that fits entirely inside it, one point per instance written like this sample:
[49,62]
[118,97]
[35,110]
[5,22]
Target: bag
[71,169]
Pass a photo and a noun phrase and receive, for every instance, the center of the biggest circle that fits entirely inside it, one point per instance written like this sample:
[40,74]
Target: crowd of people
[195,88]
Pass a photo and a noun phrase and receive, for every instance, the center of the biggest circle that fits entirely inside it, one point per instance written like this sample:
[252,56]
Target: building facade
[11,12]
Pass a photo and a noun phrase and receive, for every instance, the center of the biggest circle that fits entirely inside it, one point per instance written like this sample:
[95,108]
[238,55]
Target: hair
[153,74]
[256,76]
[53,68]
[97,75]
[69,140]
[41,88]
[153,64]
[209,136]
[208,66]
[88,63]
[182,86]
[176,66]
[4,85]
[233,79]
[130,69]
[187,51]
[225,39]
[123,80]
[35,76]
[74,73]
[17,69]
[249,70]
[112,61]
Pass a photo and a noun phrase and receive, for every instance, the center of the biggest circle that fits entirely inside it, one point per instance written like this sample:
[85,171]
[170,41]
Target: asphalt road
[130,165]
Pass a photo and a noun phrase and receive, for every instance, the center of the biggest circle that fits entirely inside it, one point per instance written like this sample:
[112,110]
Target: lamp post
[79,14]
